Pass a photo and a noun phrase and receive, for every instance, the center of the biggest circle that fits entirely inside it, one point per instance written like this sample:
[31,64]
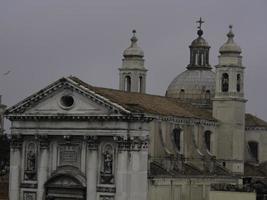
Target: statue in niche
[107,163]
[30,168]
[31,161]
[107,166]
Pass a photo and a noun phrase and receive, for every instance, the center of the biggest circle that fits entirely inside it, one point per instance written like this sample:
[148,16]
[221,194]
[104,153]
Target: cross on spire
[200,22]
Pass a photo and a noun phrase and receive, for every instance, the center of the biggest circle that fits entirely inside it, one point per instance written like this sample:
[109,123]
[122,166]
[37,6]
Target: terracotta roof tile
[253,121]
[151,104]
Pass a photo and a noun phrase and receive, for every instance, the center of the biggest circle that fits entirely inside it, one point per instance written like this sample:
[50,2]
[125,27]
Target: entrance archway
[67,183]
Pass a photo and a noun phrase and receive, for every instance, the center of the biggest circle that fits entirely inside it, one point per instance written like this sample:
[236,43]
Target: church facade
[72,140]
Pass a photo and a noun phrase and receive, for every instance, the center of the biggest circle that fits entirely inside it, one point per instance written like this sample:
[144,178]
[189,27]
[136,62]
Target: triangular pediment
[66,97]
[76,105]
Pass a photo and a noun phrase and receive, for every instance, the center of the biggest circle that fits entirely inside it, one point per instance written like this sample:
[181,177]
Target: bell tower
[133,71]
[229,106]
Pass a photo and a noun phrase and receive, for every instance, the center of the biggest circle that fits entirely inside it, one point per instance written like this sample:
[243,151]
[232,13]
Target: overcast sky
[43,40]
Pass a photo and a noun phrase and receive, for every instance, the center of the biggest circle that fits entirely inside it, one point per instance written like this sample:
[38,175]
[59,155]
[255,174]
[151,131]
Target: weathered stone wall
[183,188]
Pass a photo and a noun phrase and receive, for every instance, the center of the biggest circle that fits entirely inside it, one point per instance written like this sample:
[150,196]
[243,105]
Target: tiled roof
[151,104]
[253,121]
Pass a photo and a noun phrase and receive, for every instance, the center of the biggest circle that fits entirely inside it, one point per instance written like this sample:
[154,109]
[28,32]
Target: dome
[230,46]
[199,42]
[197,84]
[133,49]
[193,84]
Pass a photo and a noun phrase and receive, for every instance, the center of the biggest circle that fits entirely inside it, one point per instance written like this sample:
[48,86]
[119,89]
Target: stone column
[137,169]
[15,163]
[121,179]
[91,168]
[43,167]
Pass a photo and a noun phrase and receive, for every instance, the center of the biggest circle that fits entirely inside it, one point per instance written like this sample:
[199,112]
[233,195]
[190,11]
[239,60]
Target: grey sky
[43,40]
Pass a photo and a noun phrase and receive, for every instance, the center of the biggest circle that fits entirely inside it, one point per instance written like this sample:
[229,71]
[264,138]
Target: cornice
[21,117]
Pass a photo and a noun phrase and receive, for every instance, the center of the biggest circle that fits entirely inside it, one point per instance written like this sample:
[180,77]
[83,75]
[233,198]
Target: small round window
[67,101]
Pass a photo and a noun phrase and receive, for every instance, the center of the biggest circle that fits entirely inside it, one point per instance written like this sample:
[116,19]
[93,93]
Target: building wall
[43,147]
[230,133]
[183,188]
[192,141]
[259,136]
[222,195]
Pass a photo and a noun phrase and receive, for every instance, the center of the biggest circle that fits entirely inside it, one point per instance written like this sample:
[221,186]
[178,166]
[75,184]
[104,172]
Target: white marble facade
[69,143]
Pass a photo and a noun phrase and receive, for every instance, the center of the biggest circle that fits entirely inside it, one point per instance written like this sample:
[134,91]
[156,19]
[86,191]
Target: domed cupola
[133,49]
[199,51]
[230,46]
[197,83]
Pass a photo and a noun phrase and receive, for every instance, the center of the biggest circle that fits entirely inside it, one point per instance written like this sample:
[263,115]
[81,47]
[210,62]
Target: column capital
[135,143]
[92,142]
[138,143]
[16,141]
[44,141]
[123,143]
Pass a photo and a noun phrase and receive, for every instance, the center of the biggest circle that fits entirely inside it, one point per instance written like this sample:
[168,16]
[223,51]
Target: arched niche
[67,182]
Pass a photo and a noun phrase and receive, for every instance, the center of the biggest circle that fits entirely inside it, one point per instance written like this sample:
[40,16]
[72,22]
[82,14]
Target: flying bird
[6,73]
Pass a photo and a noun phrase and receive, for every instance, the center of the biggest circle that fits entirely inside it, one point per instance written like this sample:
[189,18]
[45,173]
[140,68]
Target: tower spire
[229,105]
[133,71]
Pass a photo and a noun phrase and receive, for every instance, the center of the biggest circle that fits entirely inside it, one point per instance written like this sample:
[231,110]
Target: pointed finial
[134,38]
[200,22]
[230,34]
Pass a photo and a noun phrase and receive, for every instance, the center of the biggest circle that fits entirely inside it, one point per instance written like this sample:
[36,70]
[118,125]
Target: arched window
[207,137]
[182,93]
[207,94]
[127,83]
[238,83]
[199,58]
[254,150]
[177,138]
[140,84]
[225,82]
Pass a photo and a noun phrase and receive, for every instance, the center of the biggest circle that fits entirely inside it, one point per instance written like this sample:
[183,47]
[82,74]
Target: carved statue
[108,163]
[31,161]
